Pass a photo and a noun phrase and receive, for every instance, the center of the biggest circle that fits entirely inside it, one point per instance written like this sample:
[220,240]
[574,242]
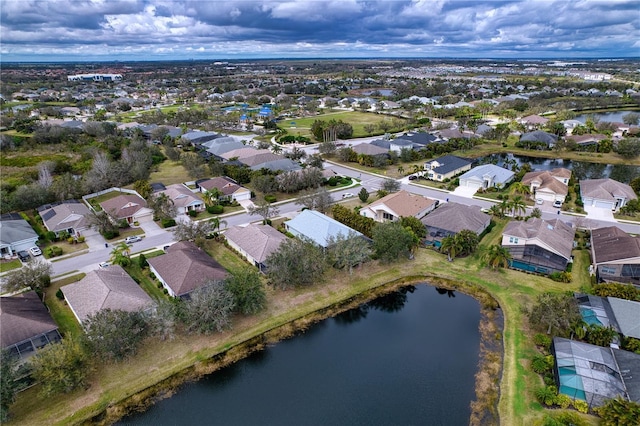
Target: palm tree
[216,223]
[520,188]
[451,246]
[276,149]
[211,196]
[120,255]
[400,170]
[496,211]
[417,168]
[518,205]
[497,257]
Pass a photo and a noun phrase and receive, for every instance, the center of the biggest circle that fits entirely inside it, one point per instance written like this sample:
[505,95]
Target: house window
[513,240]
[387,216]
[608,270]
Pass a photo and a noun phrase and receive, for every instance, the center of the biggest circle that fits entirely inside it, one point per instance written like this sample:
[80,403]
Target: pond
[611,116]
[406,358]
[582,170]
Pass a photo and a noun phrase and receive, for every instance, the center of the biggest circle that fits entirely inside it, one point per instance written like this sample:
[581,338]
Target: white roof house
[317,227]
[486,176]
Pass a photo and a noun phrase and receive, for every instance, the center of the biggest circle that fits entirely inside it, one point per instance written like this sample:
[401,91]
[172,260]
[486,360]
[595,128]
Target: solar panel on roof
[48,215]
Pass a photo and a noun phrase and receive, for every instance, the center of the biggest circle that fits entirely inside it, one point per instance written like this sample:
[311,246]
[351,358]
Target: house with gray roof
[627,315]
[25,325]
[105,288]
[450,218]
[538,245]
[278,165]
[317,227]
[369,149]
[184,268]
[255,242]
[15,234]
[69,216]
[197,137]
[446,167]
[605,193]
[183,199]
[595,374]
[420,138]
[620,314]
[382,143]
[615,255]
[399,144]
[548,185]
[217,147]
[538,138]
[260,157]
[486,176]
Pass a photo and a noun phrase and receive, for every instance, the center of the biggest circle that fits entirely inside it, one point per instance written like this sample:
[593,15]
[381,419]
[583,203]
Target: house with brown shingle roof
[538,245]
[130,207]
[398,204]
[368,149]
[241,153]
[260,158]
[450,218]
[548,185]
[229,188]
[105,288]
[534,121]
[255,242]
[605,193]
[183,198]
[184,268]
[25,324]
[615,255]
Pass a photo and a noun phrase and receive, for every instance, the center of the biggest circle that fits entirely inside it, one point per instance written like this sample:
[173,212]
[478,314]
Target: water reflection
[449,293]
[582,170]
[352,315]
[392,302]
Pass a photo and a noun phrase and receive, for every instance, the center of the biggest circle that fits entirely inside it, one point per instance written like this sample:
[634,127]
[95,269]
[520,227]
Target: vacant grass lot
[160,360]
[170,172]
[357,119]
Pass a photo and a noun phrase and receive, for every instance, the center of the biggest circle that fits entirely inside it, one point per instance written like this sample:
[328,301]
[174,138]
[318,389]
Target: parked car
[413,177]
[104,265]
[132,239]
[347,195]
[23,255]
[539,201]
[557,204]
[35,251]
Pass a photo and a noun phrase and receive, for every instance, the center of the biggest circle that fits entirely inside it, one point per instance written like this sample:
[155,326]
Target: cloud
[149,29]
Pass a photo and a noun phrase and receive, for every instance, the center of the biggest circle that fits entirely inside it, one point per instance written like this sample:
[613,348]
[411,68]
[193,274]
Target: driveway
[599,213]
[246,204]
[93,239]
[465,191]
[151,228]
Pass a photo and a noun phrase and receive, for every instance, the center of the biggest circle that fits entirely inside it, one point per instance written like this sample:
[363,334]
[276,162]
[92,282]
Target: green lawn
[170,172]
[147,284]
[8,265]
[228,259]
[357,119]
[95,201]
[60,311]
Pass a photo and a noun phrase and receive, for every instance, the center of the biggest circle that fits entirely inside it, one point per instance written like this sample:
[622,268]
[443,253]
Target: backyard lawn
[357,119]
[60,311]
[170,172]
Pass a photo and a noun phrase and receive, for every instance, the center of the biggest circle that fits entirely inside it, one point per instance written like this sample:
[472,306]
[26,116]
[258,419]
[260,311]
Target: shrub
[215,209]
[270,198]
[333,181]
[142,261]
[159,285]
[563,401]
[166,291]
[542,340]
[81,239]
[59,294]
[53,251]
[581,406]
[540,364]
[71,240]
[51,236]
[168,223]
[122,224]
[110,234]
[193,213]
[546,395]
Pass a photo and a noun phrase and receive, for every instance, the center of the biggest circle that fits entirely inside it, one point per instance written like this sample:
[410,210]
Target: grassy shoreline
[161,366]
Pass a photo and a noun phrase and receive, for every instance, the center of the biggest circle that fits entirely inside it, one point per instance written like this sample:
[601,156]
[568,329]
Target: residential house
[538,138]
[615,255]
[105,288]
[259,158]
[394,206]
[586,140]
[129,207]
[243,152]
[421,139]
[217,147]
[67,216]
[548,185]
[595,374]
[446,167]
[230,189]
[25,325]
[450,218]
[605,193]
[15,234]
[486,176]
[183,198]
[399,144]
[184,268]
[318,228]
[534,121]
[621,315]
[277,165]
[255,242]
[199,137]
[538,245]
[369,149]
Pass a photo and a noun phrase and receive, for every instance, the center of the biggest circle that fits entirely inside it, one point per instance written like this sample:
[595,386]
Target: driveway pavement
[599,213]
[94,240]
[151,228]
[465,191]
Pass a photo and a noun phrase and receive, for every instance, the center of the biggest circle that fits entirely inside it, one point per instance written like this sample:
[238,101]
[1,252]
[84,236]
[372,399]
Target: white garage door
[603,205]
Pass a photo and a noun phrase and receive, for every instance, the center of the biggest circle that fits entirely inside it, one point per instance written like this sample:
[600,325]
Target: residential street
[158,238]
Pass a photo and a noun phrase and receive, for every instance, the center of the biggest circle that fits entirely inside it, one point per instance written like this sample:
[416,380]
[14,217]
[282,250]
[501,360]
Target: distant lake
[611,116]
[406,358]
[582,170]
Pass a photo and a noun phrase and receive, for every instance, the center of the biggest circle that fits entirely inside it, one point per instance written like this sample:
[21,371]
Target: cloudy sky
[238,29]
